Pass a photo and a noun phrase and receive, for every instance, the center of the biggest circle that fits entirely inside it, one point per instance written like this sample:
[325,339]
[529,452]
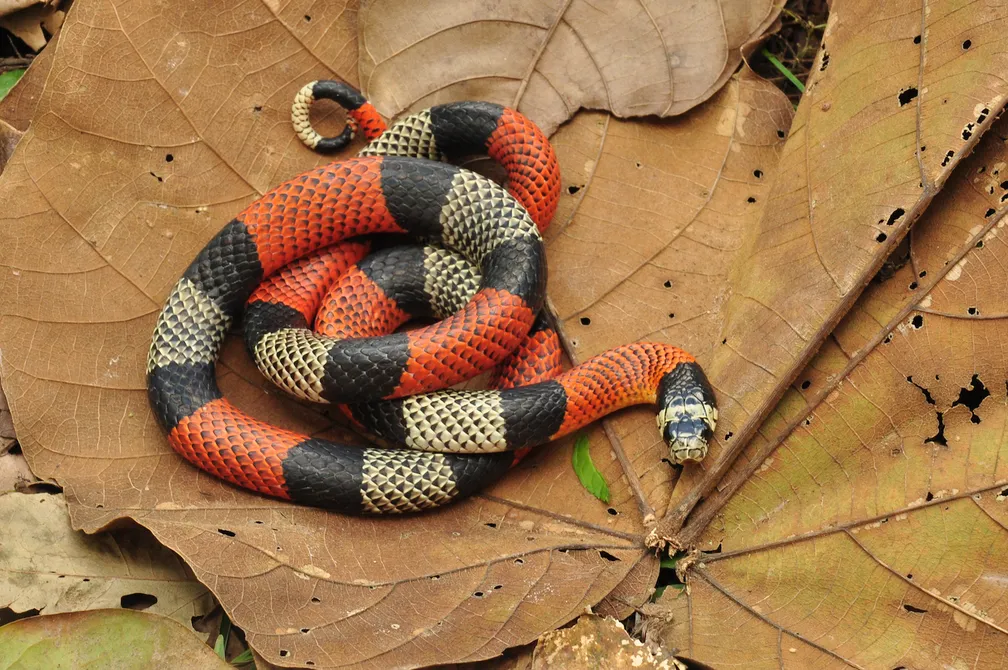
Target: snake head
[687,412]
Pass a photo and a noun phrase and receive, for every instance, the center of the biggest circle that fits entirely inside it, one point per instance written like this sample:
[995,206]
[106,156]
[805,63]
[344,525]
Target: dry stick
[705,511]
[7,64]
[646,510]
[671,529]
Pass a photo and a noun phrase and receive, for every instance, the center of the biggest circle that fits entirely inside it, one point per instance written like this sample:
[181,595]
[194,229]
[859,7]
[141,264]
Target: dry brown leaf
[873,531]
[48,566]
[110,208]
[885,119]
[550,59]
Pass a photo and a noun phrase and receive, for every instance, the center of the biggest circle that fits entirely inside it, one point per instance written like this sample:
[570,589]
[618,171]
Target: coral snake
[301,248]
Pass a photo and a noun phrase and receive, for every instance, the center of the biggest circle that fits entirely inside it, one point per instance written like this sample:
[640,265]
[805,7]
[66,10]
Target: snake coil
[300,249]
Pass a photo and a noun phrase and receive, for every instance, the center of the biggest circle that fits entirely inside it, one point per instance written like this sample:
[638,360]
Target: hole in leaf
[478,594]
[728,435]
[668,283]
[967,44]
[498,587]
[805,384]
[757,173]
[927,394]
[223,531]
[881,237]
[972,311]
[257,108]
[910,608]
[939,437]
[585,321]
[990,213]
[971,398]
[887,339]
[612,511]
[750,200]
[305,630]
[913,286]
[917,321]
[573,189]
[307,18]
[895,216]
[609,557]
[8,615]
[917,39]
[490,524]
[638,165]
[316,600]
[160,180]
[929,497]
[671,315]
[169,158]
[948,156]
[137,601]
[825,62]
[518,561]
[284,652]
[780,133]
[906,95]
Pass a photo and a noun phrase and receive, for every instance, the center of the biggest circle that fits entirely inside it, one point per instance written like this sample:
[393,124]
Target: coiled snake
[483,274]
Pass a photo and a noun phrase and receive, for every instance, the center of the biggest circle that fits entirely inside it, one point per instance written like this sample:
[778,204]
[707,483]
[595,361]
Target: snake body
[488,295]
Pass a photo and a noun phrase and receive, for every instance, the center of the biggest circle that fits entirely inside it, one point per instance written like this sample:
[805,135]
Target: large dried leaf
[896,100]
[45,565]
[549,59]
[104,638]
[873,532]
[106,205]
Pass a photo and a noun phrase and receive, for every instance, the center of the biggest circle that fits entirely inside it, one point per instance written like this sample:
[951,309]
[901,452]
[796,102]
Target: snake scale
[302,248]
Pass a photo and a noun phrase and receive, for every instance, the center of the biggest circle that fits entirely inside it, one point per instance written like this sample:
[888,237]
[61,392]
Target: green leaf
[8,79]
[243,658]
[670,561]
[220,645]
[585,470]
[783,69]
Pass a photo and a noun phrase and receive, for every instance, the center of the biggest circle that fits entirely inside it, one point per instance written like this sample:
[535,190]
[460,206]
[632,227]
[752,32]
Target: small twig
[8,64]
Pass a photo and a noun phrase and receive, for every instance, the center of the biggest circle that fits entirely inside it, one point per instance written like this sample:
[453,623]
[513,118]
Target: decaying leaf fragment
[597,642]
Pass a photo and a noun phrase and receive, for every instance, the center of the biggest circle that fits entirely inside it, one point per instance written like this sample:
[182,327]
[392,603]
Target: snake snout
[687,413]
